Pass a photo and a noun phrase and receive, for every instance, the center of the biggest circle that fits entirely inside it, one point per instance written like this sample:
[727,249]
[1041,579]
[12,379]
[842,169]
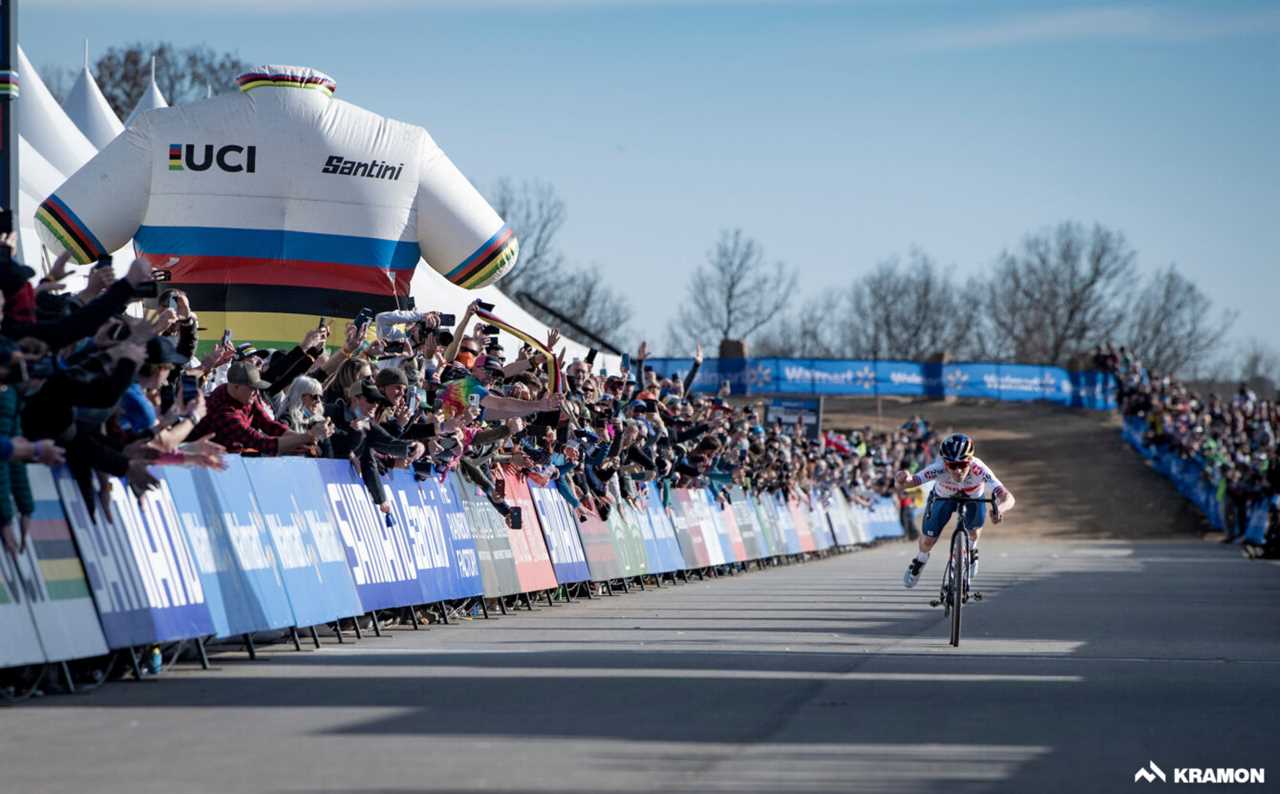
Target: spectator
[238,419]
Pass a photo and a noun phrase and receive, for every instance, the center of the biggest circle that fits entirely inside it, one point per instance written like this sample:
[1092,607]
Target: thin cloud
[1090,24]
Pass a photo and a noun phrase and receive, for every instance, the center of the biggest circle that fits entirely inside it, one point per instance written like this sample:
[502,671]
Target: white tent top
[45,125]
[89,109]
[151,99]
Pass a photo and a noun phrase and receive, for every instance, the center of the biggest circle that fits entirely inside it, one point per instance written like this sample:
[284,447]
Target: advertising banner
[21,643]
[424,530]
[493,544]
[289,494]
[377,551]
[626,535]
[52,579]
[664,533]
[142,575]
[533,562]
[883,520]
[837,509]
[688,532]
[770,533]
[604,560]
[232,608]
[777,506]
[866,378]
[718,552]
[797,513]
[744,516]
[559,527]
[464,572]
[726,528]
[232,512]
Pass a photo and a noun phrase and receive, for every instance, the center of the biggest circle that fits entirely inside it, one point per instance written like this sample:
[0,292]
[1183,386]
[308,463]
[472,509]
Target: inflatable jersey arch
[278,205]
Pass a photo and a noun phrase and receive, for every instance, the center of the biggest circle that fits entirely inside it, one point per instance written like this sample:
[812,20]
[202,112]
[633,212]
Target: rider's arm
[918,479]
[1004,498]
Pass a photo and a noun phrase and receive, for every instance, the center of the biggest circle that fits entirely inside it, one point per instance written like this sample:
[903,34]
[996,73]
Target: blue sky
[836,133]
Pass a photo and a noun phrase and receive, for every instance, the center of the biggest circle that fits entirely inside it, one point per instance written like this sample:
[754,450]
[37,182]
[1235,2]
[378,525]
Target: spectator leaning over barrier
[238,419]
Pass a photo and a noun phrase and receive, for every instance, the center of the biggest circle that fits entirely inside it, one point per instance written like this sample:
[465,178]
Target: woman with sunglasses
[955,472]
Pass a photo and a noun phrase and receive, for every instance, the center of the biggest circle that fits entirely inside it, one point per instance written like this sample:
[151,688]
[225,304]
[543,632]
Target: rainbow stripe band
[553,370]
[175,157]
[67,227]
[252,80]
[498,252]
[9,83]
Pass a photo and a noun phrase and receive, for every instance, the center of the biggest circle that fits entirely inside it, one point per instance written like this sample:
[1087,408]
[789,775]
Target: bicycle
[955,580]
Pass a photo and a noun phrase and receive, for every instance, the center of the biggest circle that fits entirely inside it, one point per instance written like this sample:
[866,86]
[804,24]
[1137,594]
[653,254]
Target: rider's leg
[936,516]
[975,517]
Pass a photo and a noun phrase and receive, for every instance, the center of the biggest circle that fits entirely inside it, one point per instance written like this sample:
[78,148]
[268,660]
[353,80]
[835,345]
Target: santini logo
[1150,777]
[373,169]
[1201,775]
[201,158]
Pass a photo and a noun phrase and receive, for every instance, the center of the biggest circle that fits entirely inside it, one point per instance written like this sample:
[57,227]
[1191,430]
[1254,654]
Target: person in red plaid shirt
[239,420]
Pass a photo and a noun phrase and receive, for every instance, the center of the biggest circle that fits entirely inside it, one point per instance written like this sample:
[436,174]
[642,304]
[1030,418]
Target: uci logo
[232,158]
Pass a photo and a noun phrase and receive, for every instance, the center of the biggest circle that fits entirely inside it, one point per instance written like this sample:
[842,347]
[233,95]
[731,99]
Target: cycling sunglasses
[957,465]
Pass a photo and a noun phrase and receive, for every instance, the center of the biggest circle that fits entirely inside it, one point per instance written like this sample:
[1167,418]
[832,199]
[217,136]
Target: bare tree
[1061,293]
[536,213]
[184,74]
[817,328]
[1259,365]
[734,295]
[909,311]
[1171,325]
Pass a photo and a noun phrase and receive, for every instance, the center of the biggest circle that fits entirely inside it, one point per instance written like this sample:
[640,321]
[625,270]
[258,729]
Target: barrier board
[493,545]
[533,562]
[142,575]
[231,511]
[560,530]
[667,548]
[744,516]
[693,545]
[377,553]
[464,572]
[21,643]
[290,498]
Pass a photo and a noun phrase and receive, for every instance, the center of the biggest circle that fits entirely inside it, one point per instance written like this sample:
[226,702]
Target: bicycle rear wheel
[960,579]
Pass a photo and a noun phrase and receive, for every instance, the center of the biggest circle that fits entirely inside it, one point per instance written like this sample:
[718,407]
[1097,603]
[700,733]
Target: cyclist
[956,472]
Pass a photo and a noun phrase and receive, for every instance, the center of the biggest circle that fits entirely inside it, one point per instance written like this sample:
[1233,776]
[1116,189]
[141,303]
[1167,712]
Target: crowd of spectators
[1233,438]
[109,381]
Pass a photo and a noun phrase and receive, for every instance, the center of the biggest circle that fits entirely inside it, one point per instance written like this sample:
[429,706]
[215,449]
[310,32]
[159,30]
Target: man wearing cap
[238,418]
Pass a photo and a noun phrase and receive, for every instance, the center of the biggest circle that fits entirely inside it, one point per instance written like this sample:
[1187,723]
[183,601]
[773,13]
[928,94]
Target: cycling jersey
[944,482]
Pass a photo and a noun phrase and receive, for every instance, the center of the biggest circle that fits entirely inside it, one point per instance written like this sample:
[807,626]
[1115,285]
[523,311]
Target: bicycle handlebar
[991,500]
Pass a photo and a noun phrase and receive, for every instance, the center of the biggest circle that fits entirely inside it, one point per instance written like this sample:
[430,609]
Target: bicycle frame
[955,579]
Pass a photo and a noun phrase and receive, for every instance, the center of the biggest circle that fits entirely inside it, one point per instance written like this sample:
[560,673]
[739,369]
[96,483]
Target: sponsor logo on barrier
[1151,772]
[246,157]
[370,169]
[956,379]
[381,556]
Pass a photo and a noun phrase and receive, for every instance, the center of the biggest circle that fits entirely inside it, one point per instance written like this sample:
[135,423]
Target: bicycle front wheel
[960,580]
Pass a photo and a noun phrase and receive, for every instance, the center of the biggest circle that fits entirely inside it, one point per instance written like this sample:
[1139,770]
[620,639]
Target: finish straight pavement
[1085,661]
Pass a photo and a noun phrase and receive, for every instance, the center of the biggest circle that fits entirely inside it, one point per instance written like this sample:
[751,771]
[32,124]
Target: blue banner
[424,527]
[226,592]
[667,546]
[377,550]
[290,497]
[231,513]
[144,581]
[464,571]
[560,528]
[868,378]
[883,520]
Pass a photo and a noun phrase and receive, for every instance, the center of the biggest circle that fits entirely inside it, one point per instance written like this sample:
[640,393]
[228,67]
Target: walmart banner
[860,378]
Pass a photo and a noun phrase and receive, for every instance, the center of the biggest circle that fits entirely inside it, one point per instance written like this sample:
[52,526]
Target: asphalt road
[1085,661]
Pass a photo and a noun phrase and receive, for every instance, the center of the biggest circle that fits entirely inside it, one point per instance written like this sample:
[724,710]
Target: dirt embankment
[1073,475]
